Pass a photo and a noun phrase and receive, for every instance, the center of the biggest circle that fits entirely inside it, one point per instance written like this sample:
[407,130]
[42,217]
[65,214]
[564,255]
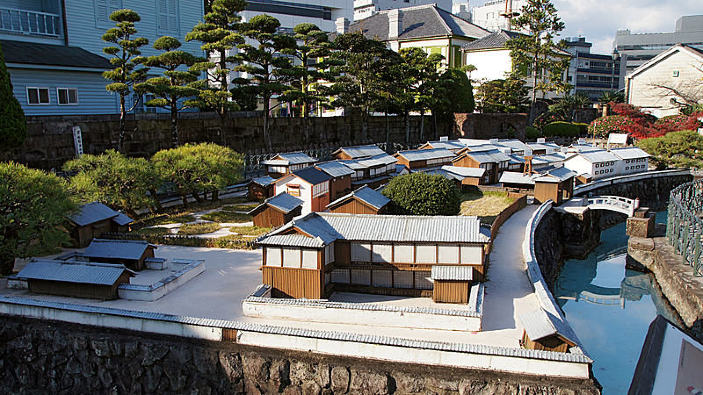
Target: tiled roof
[629,153]
[367,163]
[283,201]
[465,171]
[91,213]
[294,240]
[290,158]
[122,219]
[422,21]
[312,175]
[455,273]
[81,273]
[360,151]
[118,249]
[617,138]
[388,228]
[598,156]
[449,144]
[335,169]
[514,144]
[512,177]
[492,156]
[24,52]
[556,175]
[492,41]
[263,181]
[367,195]
[540,324]
[426,154]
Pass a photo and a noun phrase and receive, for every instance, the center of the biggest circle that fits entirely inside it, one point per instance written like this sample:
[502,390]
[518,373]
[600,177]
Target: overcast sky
[598,20]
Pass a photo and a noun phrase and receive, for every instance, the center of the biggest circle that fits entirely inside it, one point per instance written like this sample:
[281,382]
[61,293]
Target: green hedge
[563,129]
[423,194]
[532,133]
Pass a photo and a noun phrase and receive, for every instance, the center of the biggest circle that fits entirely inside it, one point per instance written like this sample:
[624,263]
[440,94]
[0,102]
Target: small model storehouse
[545,331]
[466,175]
[314,255]
[261,188]
[361,201]
[80,280]
[94,219]
[131,253]
[372,171]
[451,145]
[276,211]
[556,184]
[494,161]
[424,158]
[341,183]
[310,185]
[287,163]
[451,284]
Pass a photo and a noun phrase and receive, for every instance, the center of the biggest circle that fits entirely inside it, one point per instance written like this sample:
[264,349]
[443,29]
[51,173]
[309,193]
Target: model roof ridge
[411,8]
[81,263]
[425,217]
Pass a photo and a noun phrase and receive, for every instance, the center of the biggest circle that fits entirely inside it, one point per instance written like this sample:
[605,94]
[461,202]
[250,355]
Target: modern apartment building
[492,15]
[592,74]
[366,8]
[53,48]
[641,47]
[322,13]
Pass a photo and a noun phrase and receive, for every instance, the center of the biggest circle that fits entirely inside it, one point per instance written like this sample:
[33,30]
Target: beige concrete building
[669,81]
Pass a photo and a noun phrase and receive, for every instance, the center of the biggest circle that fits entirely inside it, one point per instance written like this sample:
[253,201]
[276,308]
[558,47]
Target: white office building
[366,8]
[491,16]
[322,13]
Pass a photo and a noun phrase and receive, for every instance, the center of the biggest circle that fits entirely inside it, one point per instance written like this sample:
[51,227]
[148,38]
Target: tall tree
[356,88]
[175,85]
[267,73]
[503,96]
[219,37]
[454,94]
[312,51]
[536,55]
[126,58]
[33,210]
[13,125]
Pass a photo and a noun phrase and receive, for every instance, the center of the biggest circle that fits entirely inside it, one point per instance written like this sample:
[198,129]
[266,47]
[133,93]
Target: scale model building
[315,255]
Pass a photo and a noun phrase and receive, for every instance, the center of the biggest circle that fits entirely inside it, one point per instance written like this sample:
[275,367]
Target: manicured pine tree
[267,72]
[176,84]
[126,58]
[219,37]
[536,55]
[13,126]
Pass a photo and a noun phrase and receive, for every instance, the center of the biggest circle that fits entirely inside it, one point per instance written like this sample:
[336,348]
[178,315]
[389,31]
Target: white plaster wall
[579,165]
[490,65]
[305,192]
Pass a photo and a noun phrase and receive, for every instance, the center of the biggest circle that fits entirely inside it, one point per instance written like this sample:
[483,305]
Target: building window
[38,96]
[67,96]
[167,15]
[293,190]
[103,9]
[676,73]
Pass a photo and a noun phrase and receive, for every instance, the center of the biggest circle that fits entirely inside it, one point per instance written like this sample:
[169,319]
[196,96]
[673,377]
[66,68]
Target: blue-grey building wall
[92,97]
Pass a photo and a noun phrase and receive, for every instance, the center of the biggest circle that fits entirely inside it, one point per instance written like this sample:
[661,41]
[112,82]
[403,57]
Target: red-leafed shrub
[630,119]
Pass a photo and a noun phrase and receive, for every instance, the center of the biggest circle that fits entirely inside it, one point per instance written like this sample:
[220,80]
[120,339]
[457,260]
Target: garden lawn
[484,204]
[198,229]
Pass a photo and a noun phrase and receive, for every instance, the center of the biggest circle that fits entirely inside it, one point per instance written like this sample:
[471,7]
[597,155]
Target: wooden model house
[451,284]
[494,161]
[276,211]
[287,163]
[361,201]
[373,171]
[466,175]
[310,185]
[131,253]
[386,254]
[340,183]
[424,158]
[556,184]
[261,188]
[94,219]
[75,279]
[545,331]
[358,152]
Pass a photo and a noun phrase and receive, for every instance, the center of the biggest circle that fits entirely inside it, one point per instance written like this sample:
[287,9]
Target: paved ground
[231,275]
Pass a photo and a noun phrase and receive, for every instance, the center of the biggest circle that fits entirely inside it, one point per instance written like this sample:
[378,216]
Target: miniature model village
[336,260]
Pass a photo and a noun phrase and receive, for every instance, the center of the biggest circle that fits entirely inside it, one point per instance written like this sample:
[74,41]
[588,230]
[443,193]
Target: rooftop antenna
[509,13]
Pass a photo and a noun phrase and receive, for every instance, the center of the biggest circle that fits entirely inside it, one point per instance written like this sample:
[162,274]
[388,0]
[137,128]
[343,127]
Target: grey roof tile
[629,153]
[335,169]
[365,194]
[283,201]
[91,213]
[290,158]
[122,219]
[263,181]
[465,171]
[23,52]
[81,273]
[426,154]
[360,151]
[454,273]
[117,249]
[312,175]
[540,324]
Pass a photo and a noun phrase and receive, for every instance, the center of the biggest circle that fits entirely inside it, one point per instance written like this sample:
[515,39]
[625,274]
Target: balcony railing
[29,22]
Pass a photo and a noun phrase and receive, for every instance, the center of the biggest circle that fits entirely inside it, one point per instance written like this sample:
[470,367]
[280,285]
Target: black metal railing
[684,229]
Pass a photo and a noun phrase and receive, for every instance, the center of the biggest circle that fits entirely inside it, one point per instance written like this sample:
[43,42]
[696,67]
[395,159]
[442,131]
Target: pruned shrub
[423,194]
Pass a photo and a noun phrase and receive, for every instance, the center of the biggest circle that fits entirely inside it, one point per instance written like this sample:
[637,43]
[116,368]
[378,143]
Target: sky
[598,20]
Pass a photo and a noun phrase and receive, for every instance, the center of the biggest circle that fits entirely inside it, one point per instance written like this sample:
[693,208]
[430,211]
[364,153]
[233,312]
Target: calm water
[610,308]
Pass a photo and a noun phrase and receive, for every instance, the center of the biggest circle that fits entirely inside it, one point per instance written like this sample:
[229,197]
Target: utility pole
[509,13]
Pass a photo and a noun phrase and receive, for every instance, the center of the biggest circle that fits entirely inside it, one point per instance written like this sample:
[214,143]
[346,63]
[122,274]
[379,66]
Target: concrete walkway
[508,290]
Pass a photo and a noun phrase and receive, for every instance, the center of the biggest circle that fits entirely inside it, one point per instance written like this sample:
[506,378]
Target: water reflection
[610,307]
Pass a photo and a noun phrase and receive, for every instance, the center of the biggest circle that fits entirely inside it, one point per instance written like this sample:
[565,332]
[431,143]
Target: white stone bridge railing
[614,203]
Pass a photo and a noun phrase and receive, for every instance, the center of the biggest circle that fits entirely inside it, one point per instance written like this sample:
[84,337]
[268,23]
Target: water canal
[610,307]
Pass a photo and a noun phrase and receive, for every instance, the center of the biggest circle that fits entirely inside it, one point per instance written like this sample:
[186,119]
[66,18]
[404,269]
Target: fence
[516,206]
[684,229]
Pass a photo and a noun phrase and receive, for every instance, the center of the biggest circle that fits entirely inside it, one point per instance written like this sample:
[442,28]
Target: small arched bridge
[613,203]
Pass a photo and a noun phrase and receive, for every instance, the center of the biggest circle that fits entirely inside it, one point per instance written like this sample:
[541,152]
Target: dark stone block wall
[51,357]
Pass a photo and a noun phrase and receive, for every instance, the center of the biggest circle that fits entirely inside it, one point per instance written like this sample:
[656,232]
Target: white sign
[443,138]
[78,140]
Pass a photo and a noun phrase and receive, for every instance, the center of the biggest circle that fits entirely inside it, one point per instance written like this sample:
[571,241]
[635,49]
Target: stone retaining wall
[44,356]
